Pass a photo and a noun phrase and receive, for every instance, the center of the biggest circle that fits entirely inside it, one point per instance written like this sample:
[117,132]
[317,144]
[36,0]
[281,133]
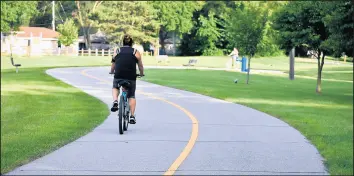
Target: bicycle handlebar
[137,75]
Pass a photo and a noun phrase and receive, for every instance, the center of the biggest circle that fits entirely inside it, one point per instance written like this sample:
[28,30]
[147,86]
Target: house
[98,41]
[30,41]
[171,48]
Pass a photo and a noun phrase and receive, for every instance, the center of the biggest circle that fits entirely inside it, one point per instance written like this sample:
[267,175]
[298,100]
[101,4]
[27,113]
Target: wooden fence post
[82,52]
[89,50]
[102,52]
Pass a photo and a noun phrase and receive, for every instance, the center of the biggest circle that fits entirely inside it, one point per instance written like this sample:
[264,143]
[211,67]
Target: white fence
[103,52]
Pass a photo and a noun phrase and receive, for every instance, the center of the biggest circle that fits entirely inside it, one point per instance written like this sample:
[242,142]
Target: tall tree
[300,23]
[246,27]
[63,11]
[16,13]
[136,18]
[175,17]
[68,32]
[86,15]
[44,17]
[211,17]
[222,10]
[209,33]
[268,46]
[340,23]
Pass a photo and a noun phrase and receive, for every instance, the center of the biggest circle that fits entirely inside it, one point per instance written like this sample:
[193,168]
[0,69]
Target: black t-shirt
[125,63]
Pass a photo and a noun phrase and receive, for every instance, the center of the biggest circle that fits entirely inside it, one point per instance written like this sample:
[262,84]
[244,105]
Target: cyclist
[124,67]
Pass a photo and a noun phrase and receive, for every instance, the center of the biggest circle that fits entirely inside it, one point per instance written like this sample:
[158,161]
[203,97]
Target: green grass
[54,61]
[338,75]
[340,71]
[326,120]
[40,114]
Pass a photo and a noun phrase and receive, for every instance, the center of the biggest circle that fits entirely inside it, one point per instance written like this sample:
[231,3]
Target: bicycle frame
[126,100]
[124,108]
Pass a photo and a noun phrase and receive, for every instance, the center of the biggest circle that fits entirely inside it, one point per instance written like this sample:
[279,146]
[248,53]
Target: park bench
[191,62]
[15,65]
[161,58]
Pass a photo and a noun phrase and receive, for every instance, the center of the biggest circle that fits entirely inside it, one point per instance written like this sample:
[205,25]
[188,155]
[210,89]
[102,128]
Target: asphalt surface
[232,139]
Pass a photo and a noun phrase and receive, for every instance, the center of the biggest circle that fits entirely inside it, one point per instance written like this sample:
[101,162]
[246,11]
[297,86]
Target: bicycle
[123,106]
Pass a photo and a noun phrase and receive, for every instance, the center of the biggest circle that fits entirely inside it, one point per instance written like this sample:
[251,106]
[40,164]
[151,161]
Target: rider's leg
[115,94]
[132,105]
[132,102]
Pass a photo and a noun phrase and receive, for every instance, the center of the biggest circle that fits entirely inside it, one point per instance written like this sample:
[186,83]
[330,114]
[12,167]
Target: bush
[213,52]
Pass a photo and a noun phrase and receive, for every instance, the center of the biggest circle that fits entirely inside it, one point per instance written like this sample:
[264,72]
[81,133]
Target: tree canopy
[137,18]
[68,32]
[246,28]
[16,13]
[200,27]
[340,24]
[317,26]
[175,17]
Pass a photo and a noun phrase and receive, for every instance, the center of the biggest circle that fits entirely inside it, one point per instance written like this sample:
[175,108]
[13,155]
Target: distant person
[234,56]
[124,68]
[152,49]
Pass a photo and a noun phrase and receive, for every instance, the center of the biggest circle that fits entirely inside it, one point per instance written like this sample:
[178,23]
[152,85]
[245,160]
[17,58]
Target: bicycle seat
[125,84]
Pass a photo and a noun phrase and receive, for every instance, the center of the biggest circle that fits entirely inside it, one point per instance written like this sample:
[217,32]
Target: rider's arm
[112,67]
[140,63]
[113,61]
[231,53]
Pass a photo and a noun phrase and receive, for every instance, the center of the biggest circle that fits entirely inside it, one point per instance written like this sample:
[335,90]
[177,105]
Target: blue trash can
[244,64]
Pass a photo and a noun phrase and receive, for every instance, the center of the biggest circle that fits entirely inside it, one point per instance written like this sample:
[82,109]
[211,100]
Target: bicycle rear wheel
[121,115]
[126,122]
[126,116]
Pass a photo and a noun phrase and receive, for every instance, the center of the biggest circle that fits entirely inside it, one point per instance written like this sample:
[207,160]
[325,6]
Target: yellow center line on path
[195,126]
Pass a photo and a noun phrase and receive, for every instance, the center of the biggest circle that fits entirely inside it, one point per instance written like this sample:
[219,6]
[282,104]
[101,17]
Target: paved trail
[183,130]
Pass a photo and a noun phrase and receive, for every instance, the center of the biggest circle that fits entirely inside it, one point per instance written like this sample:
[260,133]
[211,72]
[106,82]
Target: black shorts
[131,89]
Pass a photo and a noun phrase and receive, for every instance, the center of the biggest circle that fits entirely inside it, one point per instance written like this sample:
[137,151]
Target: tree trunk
[162,43]
[87,37]
[156,52]
[320,63]
[292,62]
[249,68]
[174,43]
[66,50]
[163,36]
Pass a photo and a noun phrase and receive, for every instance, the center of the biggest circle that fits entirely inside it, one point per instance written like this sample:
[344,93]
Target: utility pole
[53,15]
[174,43]
[292,63]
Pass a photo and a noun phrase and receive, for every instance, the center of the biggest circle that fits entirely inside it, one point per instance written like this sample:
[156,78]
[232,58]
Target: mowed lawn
[40,114]
[337,73]
[326,119]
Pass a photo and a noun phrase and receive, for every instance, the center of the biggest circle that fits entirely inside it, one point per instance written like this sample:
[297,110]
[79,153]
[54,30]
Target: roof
[98,37]
[36,32]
